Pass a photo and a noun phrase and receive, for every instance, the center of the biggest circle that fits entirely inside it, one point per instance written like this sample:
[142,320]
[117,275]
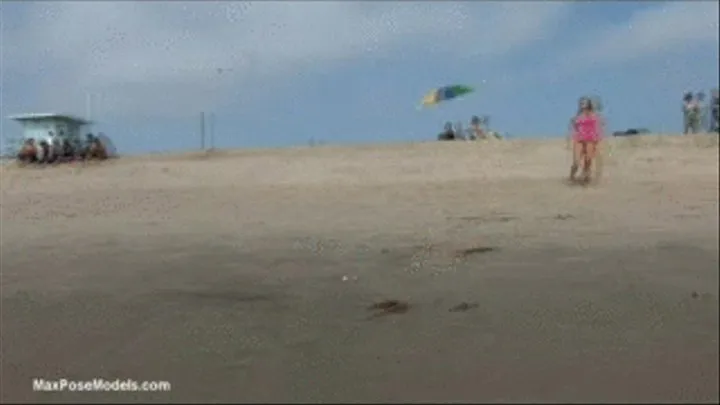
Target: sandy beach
[246,276]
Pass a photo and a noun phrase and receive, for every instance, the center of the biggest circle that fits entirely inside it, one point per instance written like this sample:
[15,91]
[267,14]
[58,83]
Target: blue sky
[349,72]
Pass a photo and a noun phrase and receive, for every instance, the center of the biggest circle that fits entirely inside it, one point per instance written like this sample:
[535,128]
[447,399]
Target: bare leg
[590,152]
[599,160]
[577,158]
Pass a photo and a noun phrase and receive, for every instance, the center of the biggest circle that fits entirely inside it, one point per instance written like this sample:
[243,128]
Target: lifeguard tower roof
[49,116]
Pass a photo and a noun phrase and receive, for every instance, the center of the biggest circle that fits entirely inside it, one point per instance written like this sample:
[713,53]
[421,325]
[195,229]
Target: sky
[285,73]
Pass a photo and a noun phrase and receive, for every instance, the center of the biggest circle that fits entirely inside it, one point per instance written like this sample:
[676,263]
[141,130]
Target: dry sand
[245,276]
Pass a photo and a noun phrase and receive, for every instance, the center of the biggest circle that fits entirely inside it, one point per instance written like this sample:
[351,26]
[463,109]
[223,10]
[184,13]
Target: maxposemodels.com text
[99,385]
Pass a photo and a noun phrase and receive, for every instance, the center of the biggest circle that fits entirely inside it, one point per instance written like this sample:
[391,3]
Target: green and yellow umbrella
[445,93]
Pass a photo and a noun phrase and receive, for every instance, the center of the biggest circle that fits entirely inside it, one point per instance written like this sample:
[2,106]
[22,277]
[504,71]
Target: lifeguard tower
[39,126]
[62,135]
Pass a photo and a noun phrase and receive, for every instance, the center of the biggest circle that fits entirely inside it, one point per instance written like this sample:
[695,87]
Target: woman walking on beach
[586,132]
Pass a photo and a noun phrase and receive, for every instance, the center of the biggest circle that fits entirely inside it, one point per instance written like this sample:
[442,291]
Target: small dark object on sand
[475,250]
[464,306]
[695,295]
[564,217]
[387,307]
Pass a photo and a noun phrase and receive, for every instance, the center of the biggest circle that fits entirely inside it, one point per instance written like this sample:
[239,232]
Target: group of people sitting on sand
[476,131]
[55,149]
[698,117]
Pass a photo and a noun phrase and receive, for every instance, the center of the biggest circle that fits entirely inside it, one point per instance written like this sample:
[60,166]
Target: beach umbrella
[445,93]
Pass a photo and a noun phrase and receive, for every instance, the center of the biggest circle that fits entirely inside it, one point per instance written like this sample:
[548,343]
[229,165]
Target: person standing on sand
[715,110]
[691,114]
[586,133]
[702,111]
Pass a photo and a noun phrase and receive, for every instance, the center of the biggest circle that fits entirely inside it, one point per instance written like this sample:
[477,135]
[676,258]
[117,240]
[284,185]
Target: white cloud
[162,57]
[661,29]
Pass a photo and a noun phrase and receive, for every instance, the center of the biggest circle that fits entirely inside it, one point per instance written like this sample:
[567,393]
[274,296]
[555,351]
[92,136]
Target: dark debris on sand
[475,250]
[464,306]
[387,307]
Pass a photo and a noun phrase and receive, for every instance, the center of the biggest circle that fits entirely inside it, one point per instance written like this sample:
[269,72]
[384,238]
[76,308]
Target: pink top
[587,128]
